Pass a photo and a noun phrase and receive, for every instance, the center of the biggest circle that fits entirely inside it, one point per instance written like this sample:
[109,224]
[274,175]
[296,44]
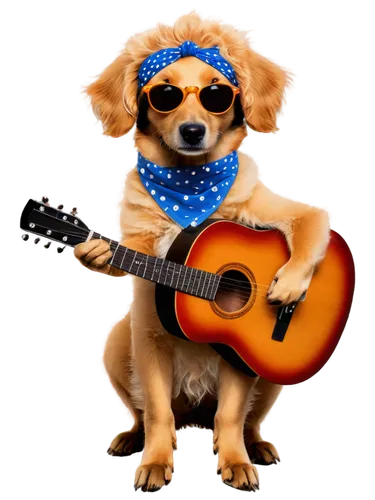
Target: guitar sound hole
[234,291]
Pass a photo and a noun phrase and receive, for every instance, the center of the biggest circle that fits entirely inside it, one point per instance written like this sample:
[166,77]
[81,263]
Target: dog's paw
[288,286]
[127,443]
[242,476]
[156,466]
[263,453]
[152,477]
[233,464]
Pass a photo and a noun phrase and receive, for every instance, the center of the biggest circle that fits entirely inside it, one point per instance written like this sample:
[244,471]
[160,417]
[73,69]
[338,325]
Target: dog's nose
[192,133]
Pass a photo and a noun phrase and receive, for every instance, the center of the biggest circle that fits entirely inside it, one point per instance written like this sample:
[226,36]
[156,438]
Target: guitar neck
[42,219]
[179,277]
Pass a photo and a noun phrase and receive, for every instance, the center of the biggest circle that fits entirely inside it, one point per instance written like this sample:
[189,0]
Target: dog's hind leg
[117,361]
[261,452]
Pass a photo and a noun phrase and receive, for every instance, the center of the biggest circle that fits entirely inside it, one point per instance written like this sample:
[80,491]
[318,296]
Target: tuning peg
[25,237]
[37,241]
[74,211]
[60,205]
[47,245]
[44,198]
[60,249]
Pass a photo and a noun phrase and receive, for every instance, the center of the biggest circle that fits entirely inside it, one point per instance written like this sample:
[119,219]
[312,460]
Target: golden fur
[166,382]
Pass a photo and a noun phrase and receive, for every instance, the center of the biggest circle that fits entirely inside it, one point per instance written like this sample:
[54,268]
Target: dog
[168,383]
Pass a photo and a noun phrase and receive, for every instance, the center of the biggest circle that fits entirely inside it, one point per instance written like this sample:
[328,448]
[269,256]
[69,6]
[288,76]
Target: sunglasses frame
[191,89]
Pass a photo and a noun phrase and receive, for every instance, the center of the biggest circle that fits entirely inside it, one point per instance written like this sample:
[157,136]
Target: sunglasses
[216,98]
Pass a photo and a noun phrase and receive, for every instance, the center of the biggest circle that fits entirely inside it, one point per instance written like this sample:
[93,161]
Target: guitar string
[151,260]
[227,284]
[236,283]
[122,250]
[232,283]
[231,290]
[228,289]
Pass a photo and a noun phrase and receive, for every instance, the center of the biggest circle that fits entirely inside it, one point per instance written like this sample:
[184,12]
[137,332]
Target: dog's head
[190,129]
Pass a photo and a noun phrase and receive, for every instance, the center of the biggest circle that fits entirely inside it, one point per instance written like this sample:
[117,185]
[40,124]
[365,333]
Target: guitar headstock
[39,218]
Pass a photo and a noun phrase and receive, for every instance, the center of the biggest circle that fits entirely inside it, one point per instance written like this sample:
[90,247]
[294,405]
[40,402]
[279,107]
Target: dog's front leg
[233,404]
[306,230]
[154,365]
[307,235]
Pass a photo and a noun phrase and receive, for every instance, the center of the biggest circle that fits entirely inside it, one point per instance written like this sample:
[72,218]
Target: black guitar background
[64,312]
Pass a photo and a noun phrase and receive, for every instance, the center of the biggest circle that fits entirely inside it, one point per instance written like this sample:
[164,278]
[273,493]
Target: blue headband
[159,60]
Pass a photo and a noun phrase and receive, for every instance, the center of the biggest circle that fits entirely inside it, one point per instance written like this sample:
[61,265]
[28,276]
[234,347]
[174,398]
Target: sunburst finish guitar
[212,288]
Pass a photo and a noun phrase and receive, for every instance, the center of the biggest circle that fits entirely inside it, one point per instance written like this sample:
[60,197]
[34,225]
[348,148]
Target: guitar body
[240,324]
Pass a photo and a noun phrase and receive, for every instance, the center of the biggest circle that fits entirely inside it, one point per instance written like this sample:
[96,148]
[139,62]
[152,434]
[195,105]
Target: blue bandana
[159,60]
[189,195]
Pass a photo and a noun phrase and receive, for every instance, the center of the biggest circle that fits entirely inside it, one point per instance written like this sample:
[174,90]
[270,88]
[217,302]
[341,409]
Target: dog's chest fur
[195,365]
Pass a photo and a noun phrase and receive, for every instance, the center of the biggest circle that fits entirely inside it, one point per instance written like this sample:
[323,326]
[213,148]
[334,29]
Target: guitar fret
[113,256]
[204,282]
[199,283]
[157,270]
[166,274]
[200,279]
[192,281]
[173,271]
[190,271]
[188,279]
[140,262]
[123,257]
[131,265]
[161,269]
[208,286]
[153,272]
[212,293]
[195,287]
[217,283]
[178,276]
[144,272]
[183,281]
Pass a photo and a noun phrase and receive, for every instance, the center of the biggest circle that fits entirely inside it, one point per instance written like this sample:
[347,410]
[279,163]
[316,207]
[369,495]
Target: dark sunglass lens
[216,98]
[166,97]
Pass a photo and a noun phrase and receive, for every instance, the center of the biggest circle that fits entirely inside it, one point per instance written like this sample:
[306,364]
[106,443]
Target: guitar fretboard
[179,277]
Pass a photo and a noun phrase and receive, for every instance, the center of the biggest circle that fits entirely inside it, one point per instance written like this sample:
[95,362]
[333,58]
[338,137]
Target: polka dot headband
[159,60]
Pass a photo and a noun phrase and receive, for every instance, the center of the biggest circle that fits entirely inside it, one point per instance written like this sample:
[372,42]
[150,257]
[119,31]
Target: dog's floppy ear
[262,84]
[113,97]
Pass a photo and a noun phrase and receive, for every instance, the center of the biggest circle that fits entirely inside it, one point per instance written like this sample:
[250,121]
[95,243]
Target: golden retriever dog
[168,383]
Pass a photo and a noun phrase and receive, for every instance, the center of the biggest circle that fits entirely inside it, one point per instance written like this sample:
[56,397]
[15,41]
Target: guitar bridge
[284,316]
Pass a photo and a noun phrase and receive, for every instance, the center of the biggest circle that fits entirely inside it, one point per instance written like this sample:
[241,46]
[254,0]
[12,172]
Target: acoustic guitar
[212,289]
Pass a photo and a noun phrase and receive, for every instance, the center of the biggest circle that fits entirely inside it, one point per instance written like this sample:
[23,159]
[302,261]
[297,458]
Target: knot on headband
[189,49]
[159,60]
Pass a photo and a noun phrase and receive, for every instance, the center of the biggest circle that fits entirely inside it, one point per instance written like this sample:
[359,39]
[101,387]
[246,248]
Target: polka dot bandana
[159,60]
[189,195]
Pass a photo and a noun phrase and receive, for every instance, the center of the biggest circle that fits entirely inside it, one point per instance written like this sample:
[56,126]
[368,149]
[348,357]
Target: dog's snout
[192,133]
